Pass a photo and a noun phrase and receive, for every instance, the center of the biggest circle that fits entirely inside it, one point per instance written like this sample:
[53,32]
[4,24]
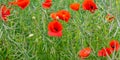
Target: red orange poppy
[54,16]
[75,6]
[21,3]
[85,52]
[114,44]
[105,52]
[89,5]
[47,4]
[64,15]
[55,28]
[4,12]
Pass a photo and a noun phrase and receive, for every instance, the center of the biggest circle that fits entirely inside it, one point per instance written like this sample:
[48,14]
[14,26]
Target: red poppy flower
[105,51]
[47,4]
[75,6]
[4,12]
[54,16]
[89,5]
[21,3]
[63,15]
[55,28]
[114,44]
[84,53]
[109,17]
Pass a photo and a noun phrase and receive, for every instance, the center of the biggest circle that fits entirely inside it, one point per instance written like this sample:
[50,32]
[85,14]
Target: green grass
[83,29]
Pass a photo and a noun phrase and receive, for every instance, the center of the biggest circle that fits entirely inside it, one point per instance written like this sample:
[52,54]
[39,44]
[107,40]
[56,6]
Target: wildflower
[31,35]
[75,6]
[114,44]
[33,17]
[84,53]
[21,3]
[109,17]
[47,4]
[54,16]
[55,28]
[105,52]
[63,15]
[89,5]
[4,12]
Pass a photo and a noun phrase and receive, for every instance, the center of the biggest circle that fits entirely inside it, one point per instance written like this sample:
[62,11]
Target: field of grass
[25,35]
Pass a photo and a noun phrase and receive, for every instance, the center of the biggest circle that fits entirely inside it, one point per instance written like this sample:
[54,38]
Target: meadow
[25,35]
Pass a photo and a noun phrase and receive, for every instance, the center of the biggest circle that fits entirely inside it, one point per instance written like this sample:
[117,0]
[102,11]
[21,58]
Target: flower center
[56,29]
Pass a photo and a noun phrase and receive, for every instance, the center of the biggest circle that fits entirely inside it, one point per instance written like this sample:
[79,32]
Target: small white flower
[30,35]
[33,17]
